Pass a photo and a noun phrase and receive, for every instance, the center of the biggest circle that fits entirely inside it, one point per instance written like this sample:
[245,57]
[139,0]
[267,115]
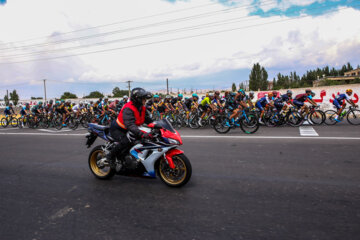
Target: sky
[85,45]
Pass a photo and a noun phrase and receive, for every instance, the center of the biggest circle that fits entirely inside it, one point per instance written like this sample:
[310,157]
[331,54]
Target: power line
[207,14]
[116,23]
[173,39]
[206,25]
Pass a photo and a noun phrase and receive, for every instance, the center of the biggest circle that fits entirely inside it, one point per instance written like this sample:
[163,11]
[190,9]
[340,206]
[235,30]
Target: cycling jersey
[205,101]
[35,109]
[341,97]
[302,97]
[8,110]
[339,100]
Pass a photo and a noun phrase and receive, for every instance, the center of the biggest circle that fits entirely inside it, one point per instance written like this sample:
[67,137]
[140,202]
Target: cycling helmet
[138,94]
[81,103]
[241,91]
[211,94]
[349,90]
[62,101]
[180,95]
[217,93]
[313,94]
[274,93]
[251,93]
[167,97]
[27,104]
[156,96]
[51,101]
[270,94]
[10,104]
[307,91]
[40,103]
[289,92]
[125,96]
[232,94]
[195,95]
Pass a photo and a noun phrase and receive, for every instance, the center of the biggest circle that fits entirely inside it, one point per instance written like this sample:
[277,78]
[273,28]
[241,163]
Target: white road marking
[61,213]
[55,131]
[308,131]
[4,129]
[204,136]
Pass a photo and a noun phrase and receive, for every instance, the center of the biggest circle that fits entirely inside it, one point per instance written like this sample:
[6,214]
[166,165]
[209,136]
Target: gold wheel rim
[167,176]
[93,164]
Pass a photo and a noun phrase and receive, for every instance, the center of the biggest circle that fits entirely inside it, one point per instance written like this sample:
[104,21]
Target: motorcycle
[148,158]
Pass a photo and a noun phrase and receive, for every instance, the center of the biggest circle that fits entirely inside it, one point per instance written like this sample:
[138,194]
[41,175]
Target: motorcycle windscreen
[164,123]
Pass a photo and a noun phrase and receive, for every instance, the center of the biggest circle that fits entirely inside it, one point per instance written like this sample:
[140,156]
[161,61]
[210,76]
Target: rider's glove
[147,136]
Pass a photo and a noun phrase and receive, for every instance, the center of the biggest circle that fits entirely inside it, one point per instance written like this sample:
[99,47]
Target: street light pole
[45,90]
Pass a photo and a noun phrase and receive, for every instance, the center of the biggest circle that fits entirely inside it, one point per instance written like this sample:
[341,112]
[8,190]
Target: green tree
[67,95]
[6,99]
[258,78]
[119,93]
[233,87]
[14,97]
[241,86]
[95,94]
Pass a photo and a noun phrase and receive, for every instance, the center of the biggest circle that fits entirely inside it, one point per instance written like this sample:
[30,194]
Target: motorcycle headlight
[173,141]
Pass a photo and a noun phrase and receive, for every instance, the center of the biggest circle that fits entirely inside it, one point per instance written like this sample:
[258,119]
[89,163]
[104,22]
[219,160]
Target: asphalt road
[275,184]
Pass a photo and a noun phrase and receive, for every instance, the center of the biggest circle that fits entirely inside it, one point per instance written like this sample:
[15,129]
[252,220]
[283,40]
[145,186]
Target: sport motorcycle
[158,156]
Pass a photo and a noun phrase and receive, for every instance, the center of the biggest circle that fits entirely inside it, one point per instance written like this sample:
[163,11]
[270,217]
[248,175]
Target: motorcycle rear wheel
[175,177]
[99,172]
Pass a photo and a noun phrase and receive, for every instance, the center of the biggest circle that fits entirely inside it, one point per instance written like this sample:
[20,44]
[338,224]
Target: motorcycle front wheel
[178,176]
[95,157]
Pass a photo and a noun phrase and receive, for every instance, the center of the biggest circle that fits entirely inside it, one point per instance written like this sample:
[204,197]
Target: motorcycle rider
[131,116]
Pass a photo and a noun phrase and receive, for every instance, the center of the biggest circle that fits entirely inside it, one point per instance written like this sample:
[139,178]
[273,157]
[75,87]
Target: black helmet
[138,94]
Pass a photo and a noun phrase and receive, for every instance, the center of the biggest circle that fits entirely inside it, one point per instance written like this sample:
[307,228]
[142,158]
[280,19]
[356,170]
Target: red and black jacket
[131,117]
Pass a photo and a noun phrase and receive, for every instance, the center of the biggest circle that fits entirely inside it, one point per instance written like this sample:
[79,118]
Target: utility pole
[45,89]
[167,86]
[129,86]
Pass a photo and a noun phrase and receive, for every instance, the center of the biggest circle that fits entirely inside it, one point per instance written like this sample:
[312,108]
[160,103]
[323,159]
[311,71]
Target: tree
[6,100]
[67,95]
[36,98]
[95,94]
[258,78]
[14,97]
[241,86]
[233,87]
[119,93]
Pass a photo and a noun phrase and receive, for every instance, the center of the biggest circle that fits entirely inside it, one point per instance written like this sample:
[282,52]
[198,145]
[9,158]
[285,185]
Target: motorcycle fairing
[149,161]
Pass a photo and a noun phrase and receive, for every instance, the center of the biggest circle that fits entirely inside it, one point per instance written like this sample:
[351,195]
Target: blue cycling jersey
[341,97]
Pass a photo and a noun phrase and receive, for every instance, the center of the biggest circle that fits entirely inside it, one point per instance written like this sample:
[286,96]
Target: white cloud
[312,41]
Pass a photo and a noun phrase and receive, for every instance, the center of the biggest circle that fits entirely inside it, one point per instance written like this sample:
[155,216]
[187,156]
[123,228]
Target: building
[355,72]
[348,76]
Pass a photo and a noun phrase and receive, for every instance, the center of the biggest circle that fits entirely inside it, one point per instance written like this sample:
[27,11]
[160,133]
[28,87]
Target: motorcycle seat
[99,127]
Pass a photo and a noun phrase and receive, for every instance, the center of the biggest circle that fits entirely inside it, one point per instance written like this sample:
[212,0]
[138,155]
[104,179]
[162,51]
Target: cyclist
[167,104]
[248,99]
[206,106]
[23,112]
[263,104]
[113,105]
[123,102]
[37,110]
[279,102]
[8,110]
[340,104]
[301,98]
[78,108]
[240,103]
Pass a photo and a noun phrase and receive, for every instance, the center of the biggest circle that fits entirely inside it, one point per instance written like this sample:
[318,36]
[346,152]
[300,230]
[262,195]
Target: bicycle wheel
[58,123]
[193,123]
[294,119]
[330,117]
[14,122]
[353,117]
[249,124]
[221,124]
[317,117]
[4,122]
